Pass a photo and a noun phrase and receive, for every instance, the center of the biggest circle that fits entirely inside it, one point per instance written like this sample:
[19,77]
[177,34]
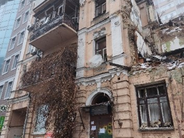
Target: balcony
[55,23]
[43,73]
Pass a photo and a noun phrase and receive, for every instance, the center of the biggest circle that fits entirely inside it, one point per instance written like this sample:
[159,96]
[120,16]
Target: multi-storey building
[8,11]
[127,85]
[54,27]
[14,54]
[126,90]
[168,9]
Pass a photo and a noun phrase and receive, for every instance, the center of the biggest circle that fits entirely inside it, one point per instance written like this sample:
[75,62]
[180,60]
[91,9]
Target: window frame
[8,90]
[146,104]
[13,65]
[1,90]
[104,50]
[22,4]
[17,26]
[98,6]
[23,31]
[5,66]
[26,13]
[39,112]
[10,46]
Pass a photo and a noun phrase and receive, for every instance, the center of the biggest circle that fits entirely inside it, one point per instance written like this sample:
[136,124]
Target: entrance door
[101,126]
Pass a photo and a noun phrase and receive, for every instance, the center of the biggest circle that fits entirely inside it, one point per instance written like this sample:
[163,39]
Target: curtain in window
[143,115]
[165,111]
[154,114]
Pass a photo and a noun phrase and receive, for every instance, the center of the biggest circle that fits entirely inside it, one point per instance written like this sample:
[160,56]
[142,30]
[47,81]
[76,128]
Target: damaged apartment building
[135,88]
[129,71]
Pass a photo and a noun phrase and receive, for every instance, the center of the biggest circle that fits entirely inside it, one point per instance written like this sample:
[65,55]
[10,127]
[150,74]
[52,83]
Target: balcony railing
[49,67]
[101,9]
[40,28]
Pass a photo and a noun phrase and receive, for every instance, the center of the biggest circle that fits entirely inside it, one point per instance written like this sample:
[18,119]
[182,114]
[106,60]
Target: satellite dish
[95,61]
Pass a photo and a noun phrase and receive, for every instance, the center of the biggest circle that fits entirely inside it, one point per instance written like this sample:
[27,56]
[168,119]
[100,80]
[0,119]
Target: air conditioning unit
[33,51]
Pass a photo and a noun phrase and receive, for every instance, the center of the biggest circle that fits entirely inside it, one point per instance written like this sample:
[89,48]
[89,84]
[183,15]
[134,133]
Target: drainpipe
[26,119]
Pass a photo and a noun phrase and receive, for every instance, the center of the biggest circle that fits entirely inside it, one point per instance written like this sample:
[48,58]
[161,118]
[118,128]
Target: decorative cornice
[98,79]
[94,93]
[19,99]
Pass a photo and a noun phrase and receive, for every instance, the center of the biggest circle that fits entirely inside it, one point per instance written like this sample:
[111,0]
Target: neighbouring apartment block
[8,11]
[168,9]
[53,28]
[15,14]
[129,71]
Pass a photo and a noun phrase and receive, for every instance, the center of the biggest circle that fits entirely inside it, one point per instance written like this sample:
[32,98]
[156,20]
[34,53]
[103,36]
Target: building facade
[51,29]
[168,10]
[16,46]
[126,90]
[128,86]
[8,11]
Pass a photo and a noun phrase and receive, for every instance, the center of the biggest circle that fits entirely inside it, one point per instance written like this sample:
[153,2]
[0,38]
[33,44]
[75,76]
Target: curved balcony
[55,23]
[53,32]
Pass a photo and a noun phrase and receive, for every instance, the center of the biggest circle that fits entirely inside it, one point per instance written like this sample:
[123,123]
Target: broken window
[100,48]
[41,119]
[100,6]
[153,107]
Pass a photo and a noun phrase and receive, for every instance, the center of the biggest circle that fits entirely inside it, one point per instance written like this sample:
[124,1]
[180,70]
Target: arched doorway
[101,116]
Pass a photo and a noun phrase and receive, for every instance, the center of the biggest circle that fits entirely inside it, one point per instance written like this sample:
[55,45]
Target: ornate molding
[87,81]
[99,33]
[96,92]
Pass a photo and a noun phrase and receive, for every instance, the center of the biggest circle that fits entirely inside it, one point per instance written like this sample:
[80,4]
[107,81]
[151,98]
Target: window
[153,107]
[17,23]
[8,90]
[21,37]
[22,4]
[12,44]
[41,119]
[1,90]
[26,16]
[6,67]
[16,59]
[100,6]
[100,48]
